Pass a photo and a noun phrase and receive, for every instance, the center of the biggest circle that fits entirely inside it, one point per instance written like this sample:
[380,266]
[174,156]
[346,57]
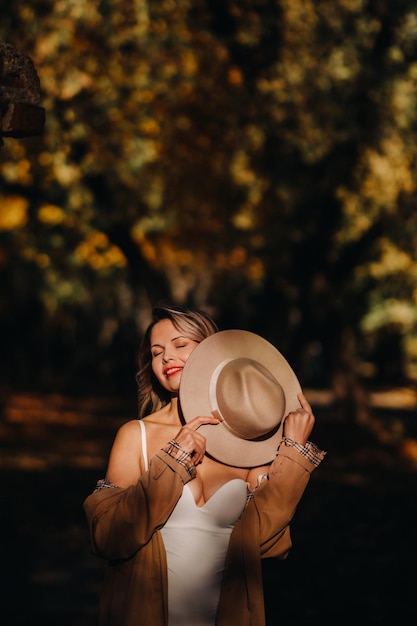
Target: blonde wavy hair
[192,323]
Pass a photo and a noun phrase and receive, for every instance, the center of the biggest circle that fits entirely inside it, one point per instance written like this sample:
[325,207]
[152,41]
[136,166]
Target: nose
[167,356]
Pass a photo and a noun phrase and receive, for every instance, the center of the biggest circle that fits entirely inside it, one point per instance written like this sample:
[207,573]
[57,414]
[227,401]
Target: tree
[253,158]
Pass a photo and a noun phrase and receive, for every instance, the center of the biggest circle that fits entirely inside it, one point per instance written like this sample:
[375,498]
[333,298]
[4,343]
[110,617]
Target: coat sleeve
[121,521]
[277,498]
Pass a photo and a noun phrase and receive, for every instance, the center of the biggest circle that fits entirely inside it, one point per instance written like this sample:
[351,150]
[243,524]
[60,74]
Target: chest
[211,476]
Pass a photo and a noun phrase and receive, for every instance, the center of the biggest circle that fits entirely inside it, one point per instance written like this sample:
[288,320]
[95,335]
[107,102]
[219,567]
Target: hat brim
[221,443]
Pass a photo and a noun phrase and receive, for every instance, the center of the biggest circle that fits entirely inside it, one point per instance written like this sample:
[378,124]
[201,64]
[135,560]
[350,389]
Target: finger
[191,441]
[198,449]
[198,457]
[202,419]
[304,403]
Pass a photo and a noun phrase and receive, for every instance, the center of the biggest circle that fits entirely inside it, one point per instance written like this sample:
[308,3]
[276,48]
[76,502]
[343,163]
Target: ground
[354,552]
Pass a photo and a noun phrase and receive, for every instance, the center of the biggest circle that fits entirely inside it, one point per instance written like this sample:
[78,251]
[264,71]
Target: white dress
[196,541]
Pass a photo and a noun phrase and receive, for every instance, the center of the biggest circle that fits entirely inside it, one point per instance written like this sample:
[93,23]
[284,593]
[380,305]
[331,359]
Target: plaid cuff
[105,483]
[181,456]
[310,450]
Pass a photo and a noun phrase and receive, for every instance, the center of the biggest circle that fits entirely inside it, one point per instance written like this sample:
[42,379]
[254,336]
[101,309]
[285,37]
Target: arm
[123,516]
[277,498]
[121,521]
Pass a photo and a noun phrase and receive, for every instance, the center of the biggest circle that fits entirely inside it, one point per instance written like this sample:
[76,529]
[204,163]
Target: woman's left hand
[299,423]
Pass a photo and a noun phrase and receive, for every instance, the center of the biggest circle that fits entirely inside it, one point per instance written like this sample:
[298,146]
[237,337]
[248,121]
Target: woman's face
[170,350]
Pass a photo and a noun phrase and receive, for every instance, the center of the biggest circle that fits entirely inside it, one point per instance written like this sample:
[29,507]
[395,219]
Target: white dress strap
[144,444]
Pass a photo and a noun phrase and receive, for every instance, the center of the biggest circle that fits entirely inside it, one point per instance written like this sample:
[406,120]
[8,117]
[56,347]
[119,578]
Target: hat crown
[249,398]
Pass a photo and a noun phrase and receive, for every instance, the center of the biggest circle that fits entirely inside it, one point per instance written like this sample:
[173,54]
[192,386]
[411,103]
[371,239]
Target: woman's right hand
[193,442]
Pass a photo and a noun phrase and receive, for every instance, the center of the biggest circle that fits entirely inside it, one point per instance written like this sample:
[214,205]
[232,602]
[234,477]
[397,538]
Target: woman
[182,532]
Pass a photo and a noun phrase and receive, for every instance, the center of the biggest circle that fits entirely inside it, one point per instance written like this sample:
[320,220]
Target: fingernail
[217,415]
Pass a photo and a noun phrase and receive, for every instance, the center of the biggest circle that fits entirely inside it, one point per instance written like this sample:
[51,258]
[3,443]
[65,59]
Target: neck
[174,402]
[171,412]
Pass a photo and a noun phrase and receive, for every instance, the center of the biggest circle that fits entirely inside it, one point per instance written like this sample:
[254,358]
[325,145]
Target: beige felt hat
[245,381]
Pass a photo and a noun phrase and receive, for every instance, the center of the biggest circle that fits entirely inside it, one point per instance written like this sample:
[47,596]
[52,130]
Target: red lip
[171,371]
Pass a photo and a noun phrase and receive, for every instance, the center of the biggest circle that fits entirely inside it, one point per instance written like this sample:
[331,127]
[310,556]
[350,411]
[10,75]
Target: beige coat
[124,526]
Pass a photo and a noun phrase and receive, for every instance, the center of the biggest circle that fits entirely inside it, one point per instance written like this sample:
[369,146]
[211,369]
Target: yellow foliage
[238,257]
[45,159]
[159,26]
[392,260]
[403,98]
[149,251]
[389,172]
[240,169]
[51,214]
[18,170]
[13,212]
[256,270]
[383,176]
[244,219]
[408,450]
[235,76]
[388,312]
[64,172]
[149,127]
[73,82]
[98,253]
[147,95]
[164,253]
[357,220]
[189,63]
[411,344]
[300,18]
[42,260]
[343,64]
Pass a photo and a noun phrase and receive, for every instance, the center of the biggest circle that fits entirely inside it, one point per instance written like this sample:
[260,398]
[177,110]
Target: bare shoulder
[129,429]
[127,437]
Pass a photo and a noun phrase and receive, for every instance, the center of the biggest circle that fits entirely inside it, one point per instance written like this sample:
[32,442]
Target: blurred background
[253,158]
